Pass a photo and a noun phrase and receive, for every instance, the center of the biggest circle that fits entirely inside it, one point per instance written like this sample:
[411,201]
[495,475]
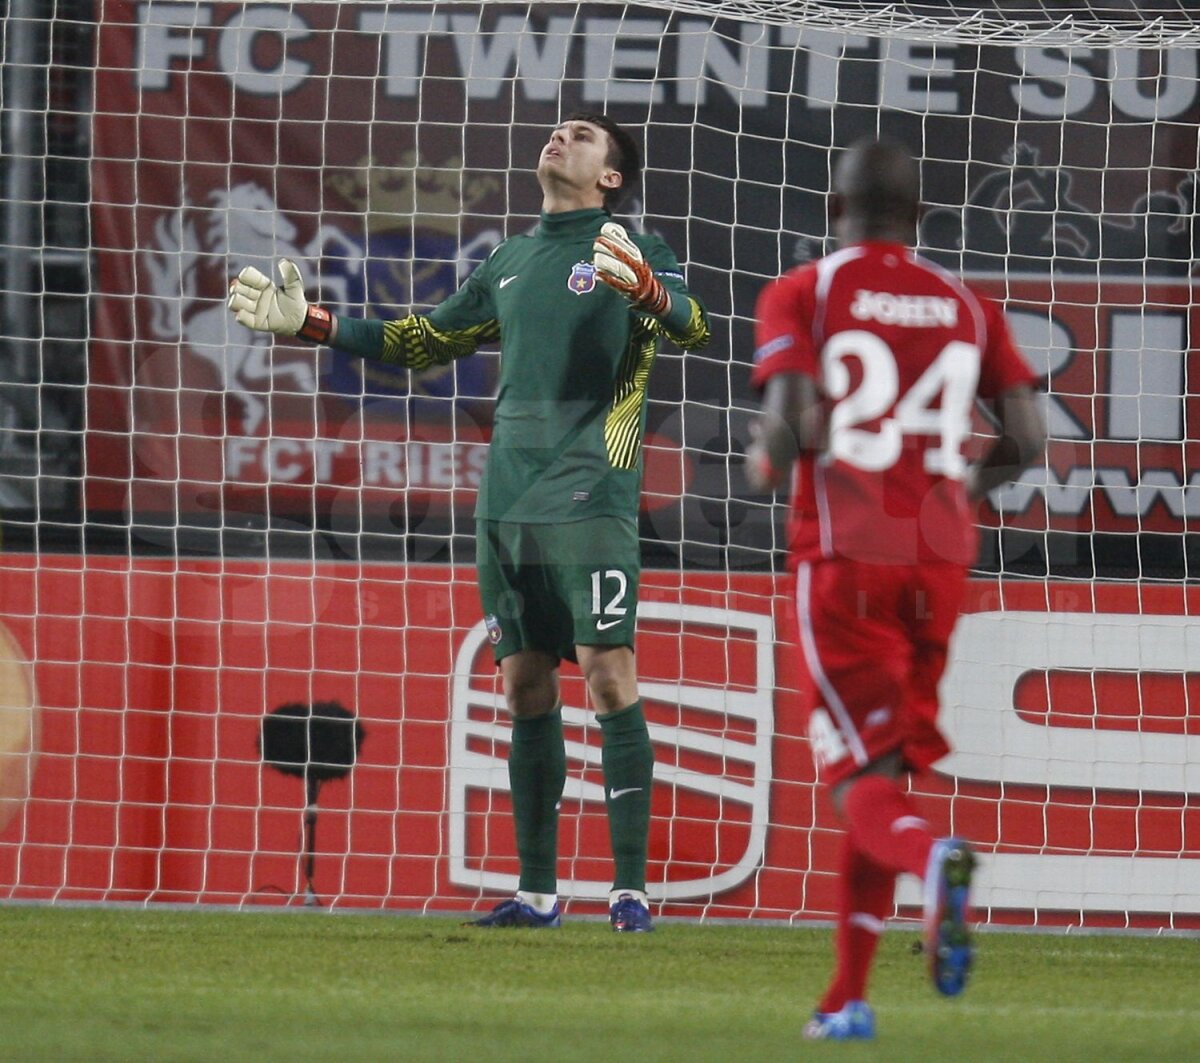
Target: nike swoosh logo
[604,625]
[504,281]
[614,794]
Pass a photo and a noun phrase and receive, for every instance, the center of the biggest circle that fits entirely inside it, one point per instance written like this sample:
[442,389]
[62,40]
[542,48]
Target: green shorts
[553,587]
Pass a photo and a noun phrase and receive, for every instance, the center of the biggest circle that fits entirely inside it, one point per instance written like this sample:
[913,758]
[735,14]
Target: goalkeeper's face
[576,158]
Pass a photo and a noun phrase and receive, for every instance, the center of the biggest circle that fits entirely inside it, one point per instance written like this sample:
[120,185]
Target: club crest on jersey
[582,279]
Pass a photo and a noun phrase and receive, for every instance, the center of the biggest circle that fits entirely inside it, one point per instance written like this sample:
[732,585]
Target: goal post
[241,528]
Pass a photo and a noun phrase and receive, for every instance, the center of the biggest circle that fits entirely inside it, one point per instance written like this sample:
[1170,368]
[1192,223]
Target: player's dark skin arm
[1021,440]
[792,420]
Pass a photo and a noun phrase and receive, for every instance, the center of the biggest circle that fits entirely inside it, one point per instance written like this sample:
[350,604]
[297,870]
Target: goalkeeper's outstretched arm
[412,341]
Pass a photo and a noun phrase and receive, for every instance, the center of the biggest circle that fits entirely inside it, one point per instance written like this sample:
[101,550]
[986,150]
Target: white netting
[1024,23]
[204,530]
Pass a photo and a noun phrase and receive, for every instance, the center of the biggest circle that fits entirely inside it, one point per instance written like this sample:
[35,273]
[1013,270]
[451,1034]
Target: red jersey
[900,349]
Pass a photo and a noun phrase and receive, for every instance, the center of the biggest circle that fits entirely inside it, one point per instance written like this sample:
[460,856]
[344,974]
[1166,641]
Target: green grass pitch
[125,984]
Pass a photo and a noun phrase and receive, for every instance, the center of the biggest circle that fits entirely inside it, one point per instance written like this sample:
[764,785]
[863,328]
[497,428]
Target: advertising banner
[138,772]
[387,148]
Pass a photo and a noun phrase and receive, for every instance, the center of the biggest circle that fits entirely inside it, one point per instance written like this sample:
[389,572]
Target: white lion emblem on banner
[197,248]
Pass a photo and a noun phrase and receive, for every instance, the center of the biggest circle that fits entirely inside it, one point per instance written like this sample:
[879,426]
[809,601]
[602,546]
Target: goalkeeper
[578,306]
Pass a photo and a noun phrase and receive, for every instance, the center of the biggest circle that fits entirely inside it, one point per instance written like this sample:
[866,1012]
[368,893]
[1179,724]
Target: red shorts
[874,638]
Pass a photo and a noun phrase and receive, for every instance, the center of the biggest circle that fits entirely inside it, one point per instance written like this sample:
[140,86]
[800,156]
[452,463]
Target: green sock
[628,761]
[537,772]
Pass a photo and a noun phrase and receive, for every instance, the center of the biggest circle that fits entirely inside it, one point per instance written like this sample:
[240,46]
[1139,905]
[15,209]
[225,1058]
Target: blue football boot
[947,946]
[855,1022]
[628,915]
[516,913]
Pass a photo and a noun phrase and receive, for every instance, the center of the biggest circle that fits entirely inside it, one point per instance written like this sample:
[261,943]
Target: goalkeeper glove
[261,305]
[619,263]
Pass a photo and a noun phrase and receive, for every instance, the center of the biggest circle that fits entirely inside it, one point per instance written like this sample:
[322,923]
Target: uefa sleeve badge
[494,632]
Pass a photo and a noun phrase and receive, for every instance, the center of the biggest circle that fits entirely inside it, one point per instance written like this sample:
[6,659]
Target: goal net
[242,658]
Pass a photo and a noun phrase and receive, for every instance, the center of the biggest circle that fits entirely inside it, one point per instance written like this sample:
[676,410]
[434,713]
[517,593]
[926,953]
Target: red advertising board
[1116,356]
[152,679]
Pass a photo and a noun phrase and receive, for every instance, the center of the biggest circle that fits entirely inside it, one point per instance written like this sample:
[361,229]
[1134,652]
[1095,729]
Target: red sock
[883,824]
[865,898]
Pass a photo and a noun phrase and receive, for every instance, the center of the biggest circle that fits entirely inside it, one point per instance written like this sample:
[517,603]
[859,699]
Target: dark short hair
[623,154]
[880,181]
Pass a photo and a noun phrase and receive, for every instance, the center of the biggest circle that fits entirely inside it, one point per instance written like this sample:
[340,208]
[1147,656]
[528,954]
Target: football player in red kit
[870,361]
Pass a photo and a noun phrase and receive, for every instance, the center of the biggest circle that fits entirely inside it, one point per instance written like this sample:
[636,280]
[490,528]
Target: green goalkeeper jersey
[574,367]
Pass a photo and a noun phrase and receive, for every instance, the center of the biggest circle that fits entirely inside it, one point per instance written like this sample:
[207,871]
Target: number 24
[953,375]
